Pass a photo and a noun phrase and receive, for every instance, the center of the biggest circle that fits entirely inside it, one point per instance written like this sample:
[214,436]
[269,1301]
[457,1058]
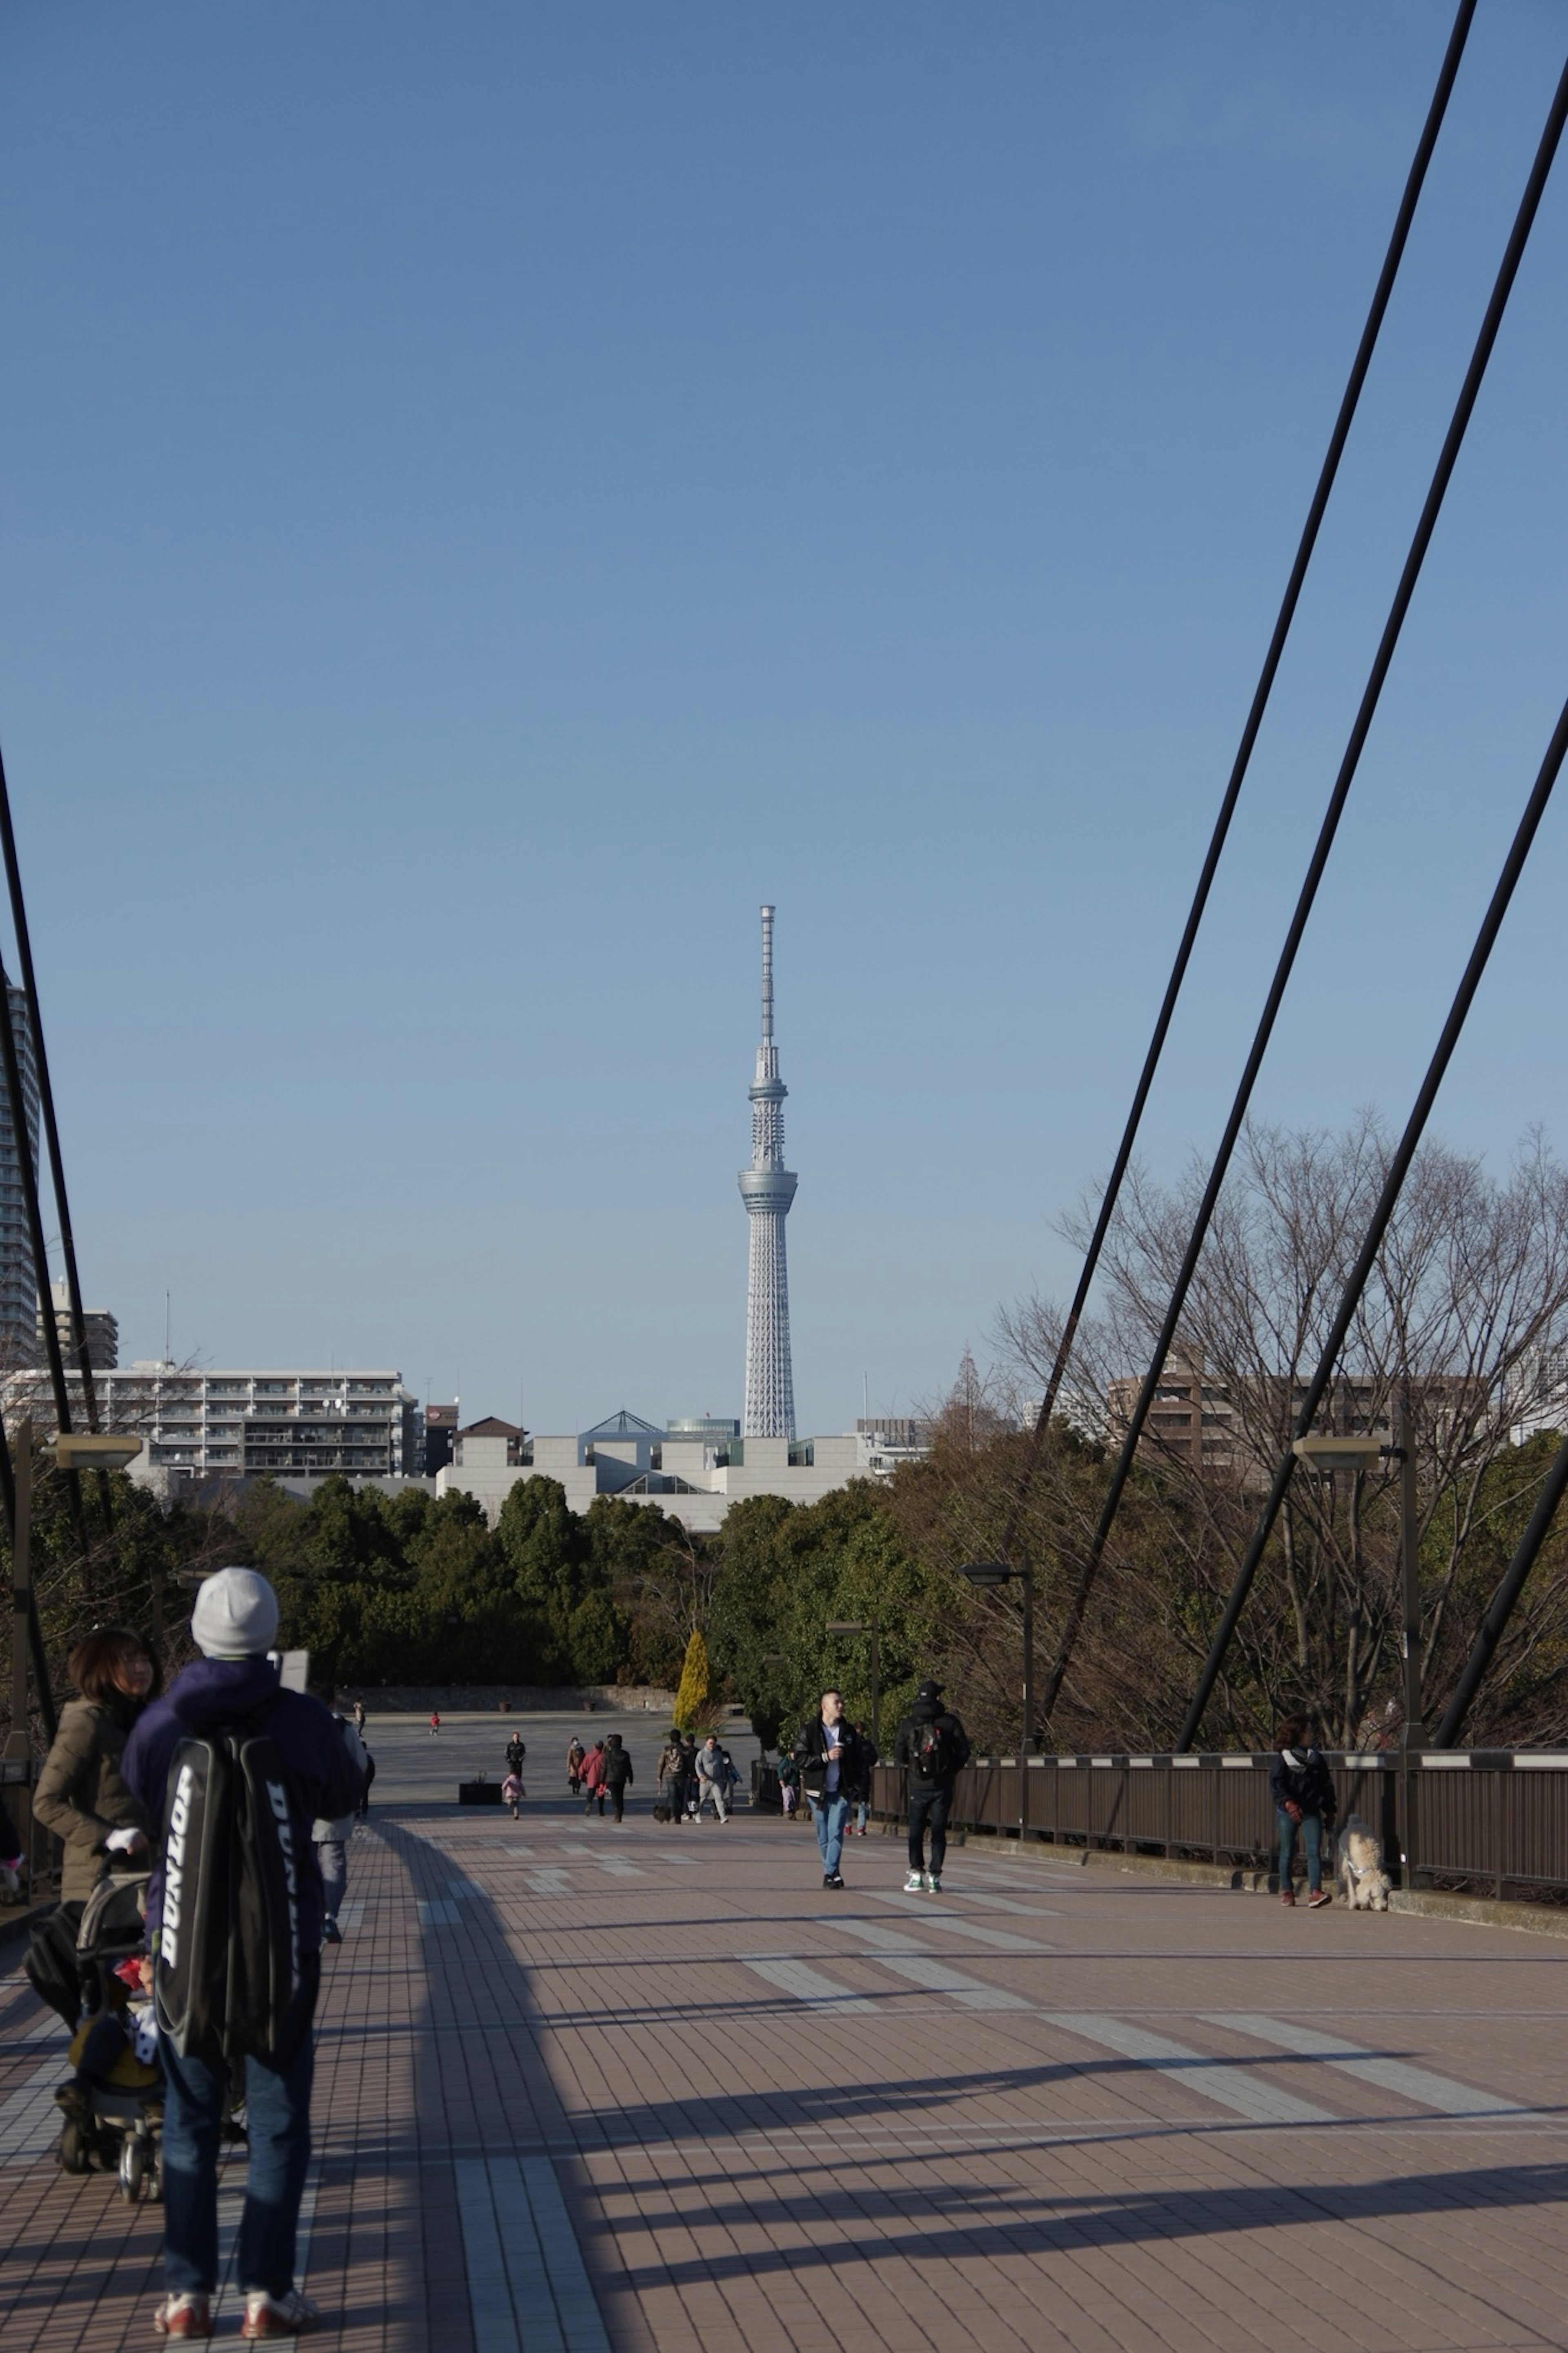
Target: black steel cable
[10,1062]
[1518,240]
[1398,1169]
[1503,1600]
[1337,439]
[46,1100]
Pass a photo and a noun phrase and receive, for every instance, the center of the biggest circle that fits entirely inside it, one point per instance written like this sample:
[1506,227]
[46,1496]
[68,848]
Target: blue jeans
[334,1862]
[1311,1829]
[278,2119]
[830,1815]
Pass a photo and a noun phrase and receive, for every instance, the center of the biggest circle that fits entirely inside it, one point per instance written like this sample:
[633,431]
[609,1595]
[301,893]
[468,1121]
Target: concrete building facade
[101,1327]
[693,1470]
[244,1423]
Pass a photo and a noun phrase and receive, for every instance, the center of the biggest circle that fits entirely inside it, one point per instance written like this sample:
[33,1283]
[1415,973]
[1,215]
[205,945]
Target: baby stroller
[113,2109]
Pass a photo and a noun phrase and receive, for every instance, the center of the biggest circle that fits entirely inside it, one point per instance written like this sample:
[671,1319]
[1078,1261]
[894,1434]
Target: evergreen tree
[691,1700]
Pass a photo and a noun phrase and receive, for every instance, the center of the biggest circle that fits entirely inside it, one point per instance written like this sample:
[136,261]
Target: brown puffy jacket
[80,1796]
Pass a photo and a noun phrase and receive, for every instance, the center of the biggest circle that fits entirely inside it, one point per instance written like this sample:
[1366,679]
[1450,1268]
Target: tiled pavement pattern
[582,2088]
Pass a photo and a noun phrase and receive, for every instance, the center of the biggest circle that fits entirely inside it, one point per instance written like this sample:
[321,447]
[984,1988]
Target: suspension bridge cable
[1518,238]
[1393,1184]
[1337,439]
[1503,1600]
[46,1100]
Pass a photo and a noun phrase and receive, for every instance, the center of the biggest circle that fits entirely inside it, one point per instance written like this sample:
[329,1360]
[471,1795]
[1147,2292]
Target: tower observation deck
[767,1188]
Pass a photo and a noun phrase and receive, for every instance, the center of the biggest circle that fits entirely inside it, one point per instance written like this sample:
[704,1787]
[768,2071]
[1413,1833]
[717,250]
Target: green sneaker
[933,1884]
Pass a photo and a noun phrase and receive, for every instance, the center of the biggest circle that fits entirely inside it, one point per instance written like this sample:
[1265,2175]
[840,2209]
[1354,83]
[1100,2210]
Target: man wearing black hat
[932,1747]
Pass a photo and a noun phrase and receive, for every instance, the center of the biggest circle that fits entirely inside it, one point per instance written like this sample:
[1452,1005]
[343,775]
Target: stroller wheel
[73,2148]
[132,2169]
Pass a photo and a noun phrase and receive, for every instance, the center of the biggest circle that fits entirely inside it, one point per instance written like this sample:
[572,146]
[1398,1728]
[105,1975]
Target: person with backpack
[1304,1792]
[330,1840]
[617,1775]
[237,1770]
[670,1775]
[932,1747]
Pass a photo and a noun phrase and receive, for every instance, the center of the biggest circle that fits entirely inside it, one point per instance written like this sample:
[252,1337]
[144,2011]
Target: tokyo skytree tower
[767,1189]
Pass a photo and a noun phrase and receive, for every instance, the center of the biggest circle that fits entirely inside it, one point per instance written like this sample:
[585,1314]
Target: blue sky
[492,494]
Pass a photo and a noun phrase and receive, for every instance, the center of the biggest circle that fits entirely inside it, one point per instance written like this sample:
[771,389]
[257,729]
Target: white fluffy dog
[1360,1870]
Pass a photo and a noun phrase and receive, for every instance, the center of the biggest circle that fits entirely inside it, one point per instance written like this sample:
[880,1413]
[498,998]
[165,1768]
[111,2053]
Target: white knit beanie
[236,1616]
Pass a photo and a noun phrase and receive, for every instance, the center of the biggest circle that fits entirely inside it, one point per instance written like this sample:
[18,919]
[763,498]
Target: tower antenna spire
[767,1188]
[767,976]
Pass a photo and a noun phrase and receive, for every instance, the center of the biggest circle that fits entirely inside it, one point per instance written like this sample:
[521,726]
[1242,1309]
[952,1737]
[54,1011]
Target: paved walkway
[651,2090]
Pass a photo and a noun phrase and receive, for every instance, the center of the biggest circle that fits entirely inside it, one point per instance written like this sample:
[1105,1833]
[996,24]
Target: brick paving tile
[736,2168]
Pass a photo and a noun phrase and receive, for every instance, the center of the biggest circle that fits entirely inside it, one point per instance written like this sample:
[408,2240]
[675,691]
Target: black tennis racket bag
[228,1976]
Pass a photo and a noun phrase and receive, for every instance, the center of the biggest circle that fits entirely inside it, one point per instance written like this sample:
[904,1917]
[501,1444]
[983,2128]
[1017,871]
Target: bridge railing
[1489,1822]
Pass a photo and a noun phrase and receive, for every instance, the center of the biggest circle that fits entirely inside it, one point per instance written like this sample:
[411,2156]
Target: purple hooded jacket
[321,1776]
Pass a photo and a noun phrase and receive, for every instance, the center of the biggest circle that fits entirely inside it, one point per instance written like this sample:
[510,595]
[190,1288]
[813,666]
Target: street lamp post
[873,1627]
[69,1452]
[17,1747]
[1360,1454]
[986,1574]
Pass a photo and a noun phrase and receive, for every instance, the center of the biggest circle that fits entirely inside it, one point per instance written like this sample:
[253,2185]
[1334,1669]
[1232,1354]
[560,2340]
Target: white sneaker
[278,2315]
[915,1884]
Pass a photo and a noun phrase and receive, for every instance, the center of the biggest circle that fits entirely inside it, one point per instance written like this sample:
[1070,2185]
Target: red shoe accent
[184,2316]
[1288,1895]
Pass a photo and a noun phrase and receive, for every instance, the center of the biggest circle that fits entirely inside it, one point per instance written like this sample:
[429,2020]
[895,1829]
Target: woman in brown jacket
[80,1796]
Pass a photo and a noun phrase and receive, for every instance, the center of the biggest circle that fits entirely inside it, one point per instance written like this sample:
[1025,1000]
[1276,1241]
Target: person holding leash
[1303,1793]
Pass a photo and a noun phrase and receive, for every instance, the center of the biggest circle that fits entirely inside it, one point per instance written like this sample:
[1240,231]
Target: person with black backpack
[237,1770]
[932,1747]
[618,1775]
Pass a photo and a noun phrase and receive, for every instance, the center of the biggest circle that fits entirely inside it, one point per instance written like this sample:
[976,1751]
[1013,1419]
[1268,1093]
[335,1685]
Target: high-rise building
[19,1278]
[767,1188]
[100,1327]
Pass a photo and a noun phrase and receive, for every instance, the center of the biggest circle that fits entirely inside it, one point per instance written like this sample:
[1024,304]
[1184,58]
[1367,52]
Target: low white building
[243,1423]
[694,1470]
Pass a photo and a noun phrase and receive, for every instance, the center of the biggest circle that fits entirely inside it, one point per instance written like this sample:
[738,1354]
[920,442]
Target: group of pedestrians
[115,1788]
[604,1774]
[693,1774]
[831,1763]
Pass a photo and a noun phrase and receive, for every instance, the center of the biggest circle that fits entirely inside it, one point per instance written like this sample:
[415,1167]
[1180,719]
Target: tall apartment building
[440,1429]
[243,1423]
[1241,1432]
[18,1132]
[101,1327]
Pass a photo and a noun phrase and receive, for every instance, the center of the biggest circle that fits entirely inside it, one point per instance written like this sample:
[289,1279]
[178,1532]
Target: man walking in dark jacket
[931,1746]
[233,1624]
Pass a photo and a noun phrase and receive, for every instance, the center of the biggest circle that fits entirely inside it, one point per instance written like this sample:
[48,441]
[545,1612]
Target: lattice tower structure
[767,1188]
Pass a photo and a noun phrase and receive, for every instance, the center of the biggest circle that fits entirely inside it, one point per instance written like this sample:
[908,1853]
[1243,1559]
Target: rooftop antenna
[168,1359]
[866,1395]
